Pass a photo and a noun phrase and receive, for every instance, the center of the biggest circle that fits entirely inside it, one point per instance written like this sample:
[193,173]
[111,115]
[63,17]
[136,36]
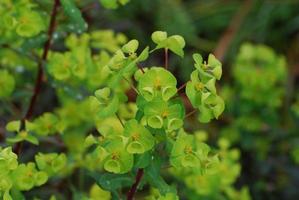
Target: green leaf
[176,44]
[7,84]
[13,126]
[30,138]
[159,36]
[143,55]
[131,46]
[143,160]
[216,66]
[110,4]
[152,175]
[198,60]
[112,182]
[75,16]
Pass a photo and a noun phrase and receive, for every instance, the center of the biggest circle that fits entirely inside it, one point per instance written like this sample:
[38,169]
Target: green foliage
[109,117]
[7,84]
[16,176]
[174,43]
[265,70]
[201,90]
[113,4]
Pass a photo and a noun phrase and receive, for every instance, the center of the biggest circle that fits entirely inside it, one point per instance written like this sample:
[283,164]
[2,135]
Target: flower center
[165,114]
[199,86]
[115,156]
[135,136]
[188,149]
[157,83]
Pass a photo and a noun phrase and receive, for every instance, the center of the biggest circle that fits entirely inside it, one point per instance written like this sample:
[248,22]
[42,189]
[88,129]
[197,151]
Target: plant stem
[132,86]
[121,122]
[134,187]
[139,67]
[190,113]
[181,87]
[39,77]
[166,58]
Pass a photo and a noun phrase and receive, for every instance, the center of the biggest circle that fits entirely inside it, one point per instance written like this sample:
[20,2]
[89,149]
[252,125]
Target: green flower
[26,177]
[161,114]
[140,139]
[104,103]
[184,152]
[8,161]
[213,67]
[23,135]
[200,87]
[157,82]
[29,24]
[117,159]
[45,124]
[201,90]
[50,163]
[124,60]
[60,65]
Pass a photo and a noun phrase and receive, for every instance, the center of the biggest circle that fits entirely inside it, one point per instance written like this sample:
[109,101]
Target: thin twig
[132,86]
[139,67]
[166,58]
[190,113]
[181,87]
[134,187]
[121,122]
[39,78]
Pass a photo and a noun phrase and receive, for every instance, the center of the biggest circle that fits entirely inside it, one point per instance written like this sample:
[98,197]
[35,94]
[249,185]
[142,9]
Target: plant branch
[190,113]
[132,86]
[166,58]
[39,77]
[134,187]
[121,122]
[181,87]
[139,67]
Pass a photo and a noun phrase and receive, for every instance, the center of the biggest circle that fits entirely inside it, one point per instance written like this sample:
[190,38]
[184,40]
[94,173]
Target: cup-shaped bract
[117,159]
[140,139]
[157,83]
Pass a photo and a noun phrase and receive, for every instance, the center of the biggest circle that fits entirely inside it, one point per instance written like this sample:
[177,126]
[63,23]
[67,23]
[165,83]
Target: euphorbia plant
[130,141]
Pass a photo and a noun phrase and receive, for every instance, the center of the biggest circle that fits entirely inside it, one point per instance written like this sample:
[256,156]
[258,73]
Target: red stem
[182,87]
[166,57]
[190,113]
[133,188]
[39,77]
[139,67]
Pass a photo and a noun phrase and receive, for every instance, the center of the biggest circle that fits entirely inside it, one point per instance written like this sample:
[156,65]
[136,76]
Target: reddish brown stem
[39,77]
[139,67]
[134,187]
[190,113]
[166,58]
[181,87]
[89,7]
